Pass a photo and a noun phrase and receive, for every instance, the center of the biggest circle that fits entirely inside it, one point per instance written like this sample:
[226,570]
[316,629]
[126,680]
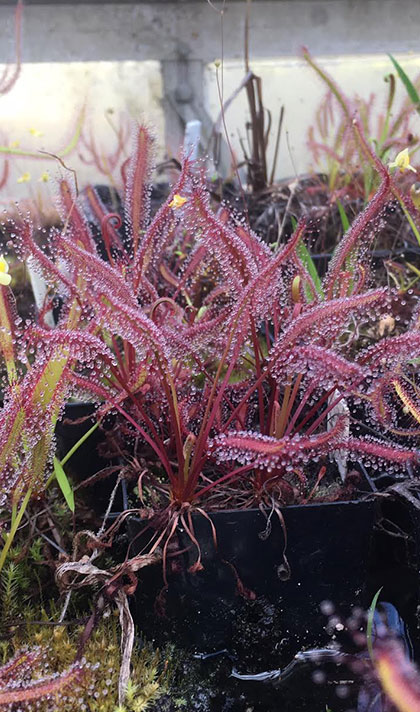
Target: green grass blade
[369,626]
[307,261]
[80,442]
[343,217]
[64,483]
[411,89]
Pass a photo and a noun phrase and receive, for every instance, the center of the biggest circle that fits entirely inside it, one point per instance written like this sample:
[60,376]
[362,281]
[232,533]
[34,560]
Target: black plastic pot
[244,601]
[90,457]
[245,580]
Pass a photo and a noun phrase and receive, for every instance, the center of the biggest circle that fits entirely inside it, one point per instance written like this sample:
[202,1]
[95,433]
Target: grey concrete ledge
[169,30]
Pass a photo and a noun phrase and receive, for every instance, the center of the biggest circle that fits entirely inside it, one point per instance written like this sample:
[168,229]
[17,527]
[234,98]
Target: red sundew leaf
[80,345]
[110,223]
[379,451]
[251,300]
[138,177]
[23,658]
[33,404]
[101,278]
[8,316]
[321,362]
[264,451]
[236,259]
[100,213]
[257,288]
[111,402]
[147,293]
[29,249]
[101,392]
[392,350]
[381,409]
[399,677]
[74,218]
[200,335]
[5,175]
[323,321]
[359,226]
[197,256]
[151,244]
[45,688]
[133,326]
[259,250]
[405,397]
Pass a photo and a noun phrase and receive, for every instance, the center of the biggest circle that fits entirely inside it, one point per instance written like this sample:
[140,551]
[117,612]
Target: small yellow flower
[5,277]
[44,177]
[402,162]
[24,178]
[15,144]
[35,132]
[177,201]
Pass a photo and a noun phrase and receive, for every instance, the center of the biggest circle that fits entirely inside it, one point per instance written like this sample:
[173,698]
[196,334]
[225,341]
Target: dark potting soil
[206,686]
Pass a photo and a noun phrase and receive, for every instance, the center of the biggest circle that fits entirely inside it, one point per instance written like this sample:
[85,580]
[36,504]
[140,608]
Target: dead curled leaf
[116,584]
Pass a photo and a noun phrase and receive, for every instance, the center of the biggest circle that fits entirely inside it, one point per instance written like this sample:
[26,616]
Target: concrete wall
[44,108]
[156,60]
[138,31]
[289,82]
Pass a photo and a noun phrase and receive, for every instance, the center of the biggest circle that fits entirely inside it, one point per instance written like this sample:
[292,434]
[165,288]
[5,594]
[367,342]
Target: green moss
[98,691]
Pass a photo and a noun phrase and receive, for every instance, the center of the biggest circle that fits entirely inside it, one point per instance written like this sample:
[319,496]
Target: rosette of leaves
[229,359]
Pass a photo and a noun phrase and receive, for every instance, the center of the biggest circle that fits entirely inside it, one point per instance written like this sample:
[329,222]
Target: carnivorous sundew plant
[332,145]
[233,366]
[239,376]
[36,385]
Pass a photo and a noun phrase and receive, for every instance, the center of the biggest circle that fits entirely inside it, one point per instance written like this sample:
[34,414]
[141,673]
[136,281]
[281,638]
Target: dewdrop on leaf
[5,277]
